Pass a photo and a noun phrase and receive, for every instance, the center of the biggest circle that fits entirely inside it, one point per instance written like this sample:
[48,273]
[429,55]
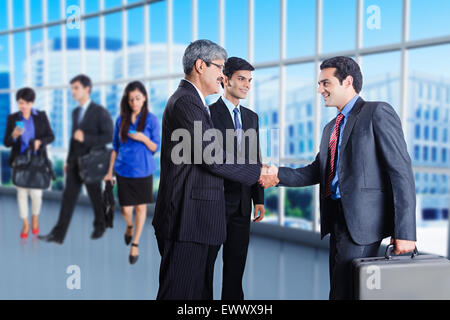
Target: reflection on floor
[31,269]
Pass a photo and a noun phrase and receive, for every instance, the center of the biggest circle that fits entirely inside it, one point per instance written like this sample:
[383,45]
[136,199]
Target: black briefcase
[108,203]
[33,171]
[415,277]
[94,165]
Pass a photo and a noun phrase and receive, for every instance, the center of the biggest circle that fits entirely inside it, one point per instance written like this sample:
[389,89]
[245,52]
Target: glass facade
[401,45]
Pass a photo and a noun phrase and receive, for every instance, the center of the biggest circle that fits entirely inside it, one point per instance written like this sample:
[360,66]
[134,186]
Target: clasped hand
[269,176]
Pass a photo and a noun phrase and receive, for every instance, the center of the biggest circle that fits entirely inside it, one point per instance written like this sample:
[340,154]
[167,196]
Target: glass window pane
[73,55]
[381,78]
[266,91]
[158,95]
[208,20]
[54,11]
[298,206]
[4,61]
[267,30]
[55,56]
[339,25]
[91,6]
[382,23]
[299,114]
[301,24]
[158,38]
[236,28]
[113,46]
[136,49]
[35,12]
[37,58]
[6,168]
[5,103]
[113,97]
[18,13]
[19,59]
[433,200]
[55,115]
[182,21]
[428,109]
[429,19]
[92,49]
[112,3]
[59,161]
[3,14]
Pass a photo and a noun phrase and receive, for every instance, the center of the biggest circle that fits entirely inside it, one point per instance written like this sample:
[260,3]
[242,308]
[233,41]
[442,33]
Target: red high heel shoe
[23,235]
[35,231]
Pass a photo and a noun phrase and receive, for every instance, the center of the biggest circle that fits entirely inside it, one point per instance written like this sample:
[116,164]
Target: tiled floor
[32,269]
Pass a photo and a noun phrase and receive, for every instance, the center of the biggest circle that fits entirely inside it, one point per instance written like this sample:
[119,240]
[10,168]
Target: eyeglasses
[220,66]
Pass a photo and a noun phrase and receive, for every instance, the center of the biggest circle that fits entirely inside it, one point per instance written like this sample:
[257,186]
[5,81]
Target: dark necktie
[80,116]
[237,126]
[332,146]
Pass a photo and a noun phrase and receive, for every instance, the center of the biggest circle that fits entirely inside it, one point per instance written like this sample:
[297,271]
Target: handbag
[94,165]
[32,170]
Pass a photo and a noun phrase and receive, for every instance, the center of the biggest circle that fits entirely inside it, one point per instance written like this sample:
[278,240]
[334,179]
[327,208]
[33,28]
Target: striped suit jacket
[191,205]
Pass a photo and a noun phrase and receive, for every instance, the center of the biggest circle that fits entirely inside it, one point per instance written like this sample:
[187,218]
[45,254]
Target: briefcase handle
[390,249]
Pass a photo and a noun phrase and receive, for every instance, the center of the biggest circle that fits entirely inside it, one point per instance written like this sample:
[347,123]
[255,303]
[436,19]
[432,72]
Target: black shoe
[128,238]
[51,238]
[133,259]
[98,233]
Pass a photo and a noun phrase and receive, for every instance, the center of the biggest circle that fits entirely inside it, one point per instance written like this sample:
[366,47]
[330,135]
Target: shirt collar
[230,105]
[198,91]
[86,105]
[33,112]
[349,106]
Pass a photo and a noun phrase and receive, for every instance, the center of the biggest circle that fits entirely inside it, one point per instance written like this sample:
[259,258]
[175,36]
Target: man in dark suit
[92,126]
[227,114]
[190,219]
[366,180]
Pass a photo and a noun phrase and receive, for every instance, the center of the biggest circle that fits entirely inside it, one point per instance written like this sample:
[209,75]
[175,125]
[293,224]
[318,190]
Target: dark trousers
[342,252]
[69,199]
[234,255]
[186,271]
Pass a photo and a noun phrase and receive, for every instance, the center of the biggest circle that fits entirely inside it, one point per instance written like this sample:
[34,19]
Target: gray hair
[205,50]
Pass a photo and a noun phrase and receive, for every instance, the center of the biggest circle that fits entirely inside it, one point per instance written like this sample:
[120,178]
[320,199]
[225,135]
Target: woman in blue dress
[136,140]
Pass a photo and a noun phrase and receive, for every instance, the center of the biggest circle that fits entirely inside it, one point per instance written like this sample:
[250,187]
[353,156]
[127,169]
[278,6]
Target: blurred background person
[28,128]
[92,127]
[136,140]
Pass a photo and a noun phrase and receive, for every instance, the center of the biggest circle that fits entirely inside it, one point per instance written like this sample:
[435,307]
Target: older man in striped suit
[190,219]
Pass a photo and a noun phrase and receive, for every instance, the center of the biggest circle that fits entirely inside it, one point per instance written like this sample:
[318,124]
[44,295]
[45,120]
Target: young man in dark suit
[92,126]
[190,219]
[366,180]
[228,114]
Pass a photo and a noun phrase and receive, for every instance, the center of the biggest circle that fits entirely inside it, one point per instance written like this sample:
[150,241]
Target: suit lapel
[324,145]
[246,123]
[352,117]
[225,116]
[85,115]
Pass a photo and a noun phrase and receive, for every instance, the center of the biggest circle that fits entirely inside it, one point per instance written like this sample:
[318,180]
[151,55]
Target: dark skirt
[134,191]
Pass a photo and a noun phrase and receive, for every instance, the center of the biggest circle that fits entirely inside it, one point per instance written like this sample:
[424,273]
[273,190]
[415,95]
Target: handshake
[269,176]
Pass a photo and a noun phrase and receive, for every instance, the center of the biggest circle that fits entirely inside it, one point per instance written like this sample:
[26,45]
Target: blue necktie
[207,110]
[80,115]
[237,126]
